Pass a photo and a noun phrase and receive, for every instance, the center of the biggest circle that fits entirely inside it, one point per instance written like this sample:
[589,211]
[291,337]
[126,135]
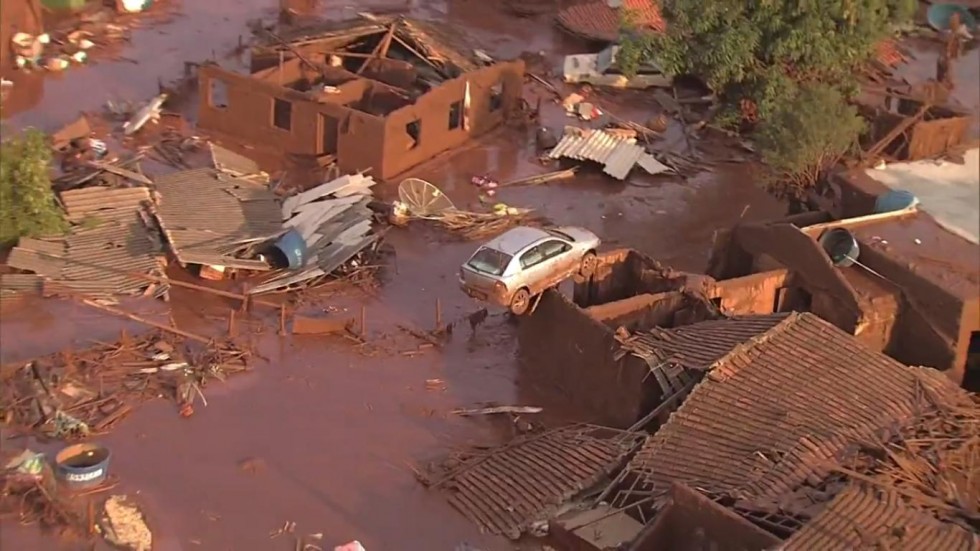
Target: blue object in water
[293,247]
[895,200]
[939,15]
[82,466]
[841,246]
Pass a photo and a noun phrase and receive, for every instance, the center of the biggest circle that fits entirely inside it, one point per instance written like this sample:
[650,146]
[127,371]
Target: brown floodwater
[338,431]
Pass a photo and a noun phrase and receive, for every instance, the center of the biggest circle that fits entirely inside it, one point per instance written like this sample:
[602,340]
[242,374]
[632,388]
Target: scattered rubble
[73,394]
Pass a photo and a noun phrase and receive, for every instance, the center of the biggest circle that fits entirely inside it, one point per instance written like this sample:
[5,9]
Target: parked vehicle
[600,70]
[520,264]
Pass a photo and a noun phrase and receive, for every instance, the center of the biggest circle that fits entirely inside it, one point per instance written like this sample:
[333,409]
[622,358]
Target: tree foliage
[806,135]
[761,51]
[27,202]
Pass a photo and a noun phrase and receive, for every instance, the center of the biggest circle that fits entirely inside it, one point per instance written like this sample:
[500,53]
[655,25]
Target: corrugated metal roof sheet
[103,202]
[97,260]
[208,216]
[769,414]
[19,285]
[235,165]
[334,221]
[861,518]
[506,490]
[617,155]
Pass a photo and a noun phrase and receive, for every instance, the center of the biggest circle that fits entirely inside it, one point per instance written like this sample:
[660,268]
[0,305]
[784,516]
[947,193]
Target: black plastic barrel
[841,246]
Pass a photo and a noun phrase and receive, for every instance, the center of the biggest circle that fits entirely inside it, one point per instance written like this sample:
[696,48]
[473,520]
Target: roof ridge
[789,321]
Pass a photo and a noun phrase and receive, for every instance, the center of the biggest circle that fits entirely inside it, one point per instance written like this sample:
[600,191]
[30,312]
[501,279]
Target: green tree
[758,52]
[27,202]
[805,136]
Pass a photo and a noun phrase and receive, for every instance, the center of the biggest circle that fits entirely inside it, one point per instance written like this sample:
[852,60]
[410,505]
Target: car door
[534,270]
[558,259]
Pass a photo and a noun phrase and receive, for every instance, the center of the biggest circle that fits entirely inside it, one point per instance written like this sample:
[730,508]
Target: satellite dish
[423,198]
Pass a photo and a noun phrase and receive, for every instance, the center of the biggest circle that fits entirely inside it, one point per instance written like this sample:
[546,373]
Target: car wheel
[520,302]
[588,265]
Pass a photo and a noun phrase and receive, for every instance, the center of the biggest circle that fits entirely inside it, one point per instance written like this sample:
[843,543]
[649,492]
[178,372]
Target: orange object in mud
[186,410]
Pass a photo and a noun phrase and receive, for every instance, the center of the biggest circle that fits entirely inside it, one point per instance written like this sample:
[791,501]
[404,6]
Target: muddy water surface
[336,430]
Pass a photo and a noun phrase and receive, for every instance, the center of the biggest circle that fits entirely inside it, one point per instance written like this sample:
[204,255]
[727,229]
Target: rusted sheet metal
[861,518]
[617,155]
[210,218]
[237,166]
[305,325]
[102,203]
[773,412]
[528,479]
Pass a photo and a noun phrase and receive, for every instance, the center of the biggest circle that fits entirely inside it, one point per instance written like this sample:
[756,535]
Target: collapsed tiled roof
[598,21]
[210,217]
[884,523]
[771,413]
[505,491]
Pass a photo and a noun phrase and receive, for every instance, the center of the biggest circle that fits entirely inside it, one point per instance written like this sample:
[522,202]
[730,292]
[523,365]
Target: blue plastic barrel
[939,15]
[293,247]
[895,200]
[841,246]
[82,466]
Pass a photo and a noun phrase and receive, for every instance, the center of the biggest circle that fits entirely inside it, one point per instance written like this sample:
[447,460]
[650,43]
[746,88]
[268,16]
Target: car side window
[533,256]
[553,248]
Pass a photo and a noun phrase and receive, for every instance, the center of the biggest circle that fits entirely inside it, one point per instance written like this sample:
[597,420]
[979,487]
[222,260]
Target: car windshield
[489,261]
[562,235]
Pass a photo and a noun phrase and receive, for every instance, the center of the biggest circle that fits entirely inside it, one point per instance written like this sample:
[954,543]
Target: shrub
[27,202]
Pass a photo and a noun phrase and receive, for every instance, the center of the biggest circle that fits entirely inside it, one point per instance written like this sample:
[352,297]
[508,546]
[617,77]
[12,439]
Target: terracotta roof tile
[769,412]
[834,528]
[888,54]
[598,21]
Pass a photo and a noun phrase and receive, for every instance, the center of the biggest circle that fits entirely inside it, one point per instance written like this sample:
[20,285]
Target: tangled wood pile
[932,463]
[39,500]
[482,225]
[72,394]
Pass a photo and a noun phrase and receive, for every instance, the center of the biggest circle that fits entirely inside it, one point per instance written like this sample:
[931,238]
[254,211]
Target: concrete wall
[432,113]
[750,294]
[248,117]
[562,346]
[692,522]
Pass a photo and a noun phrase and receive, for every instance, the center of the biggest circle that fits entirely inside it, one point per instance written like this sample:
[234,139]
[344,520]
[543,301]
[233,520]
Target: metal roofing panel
[771,412]
[236,165]
[97,200]
[861,518]
[617,155]
[202,216]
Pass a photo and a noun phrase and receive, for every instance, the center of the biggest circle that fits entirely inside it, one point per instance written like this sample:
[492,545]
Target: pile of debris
[420,200]
[325,228]
[73,394]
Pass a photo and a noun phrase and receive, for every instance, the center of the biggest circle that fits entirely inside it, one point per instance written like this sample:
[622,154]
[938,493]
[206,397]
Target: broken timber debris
[71,394]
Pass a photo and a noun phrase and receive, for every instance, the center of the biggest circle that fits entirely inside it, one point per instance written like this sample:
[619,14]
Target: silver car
[524,261]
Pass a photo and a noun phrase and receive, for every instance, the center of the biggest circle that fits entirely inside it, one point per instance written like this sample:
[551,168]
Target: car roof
[515,239]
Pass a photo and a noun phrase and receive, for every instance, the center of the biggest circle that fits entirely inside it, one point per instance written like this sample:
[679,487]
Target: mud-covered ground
[337,431]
